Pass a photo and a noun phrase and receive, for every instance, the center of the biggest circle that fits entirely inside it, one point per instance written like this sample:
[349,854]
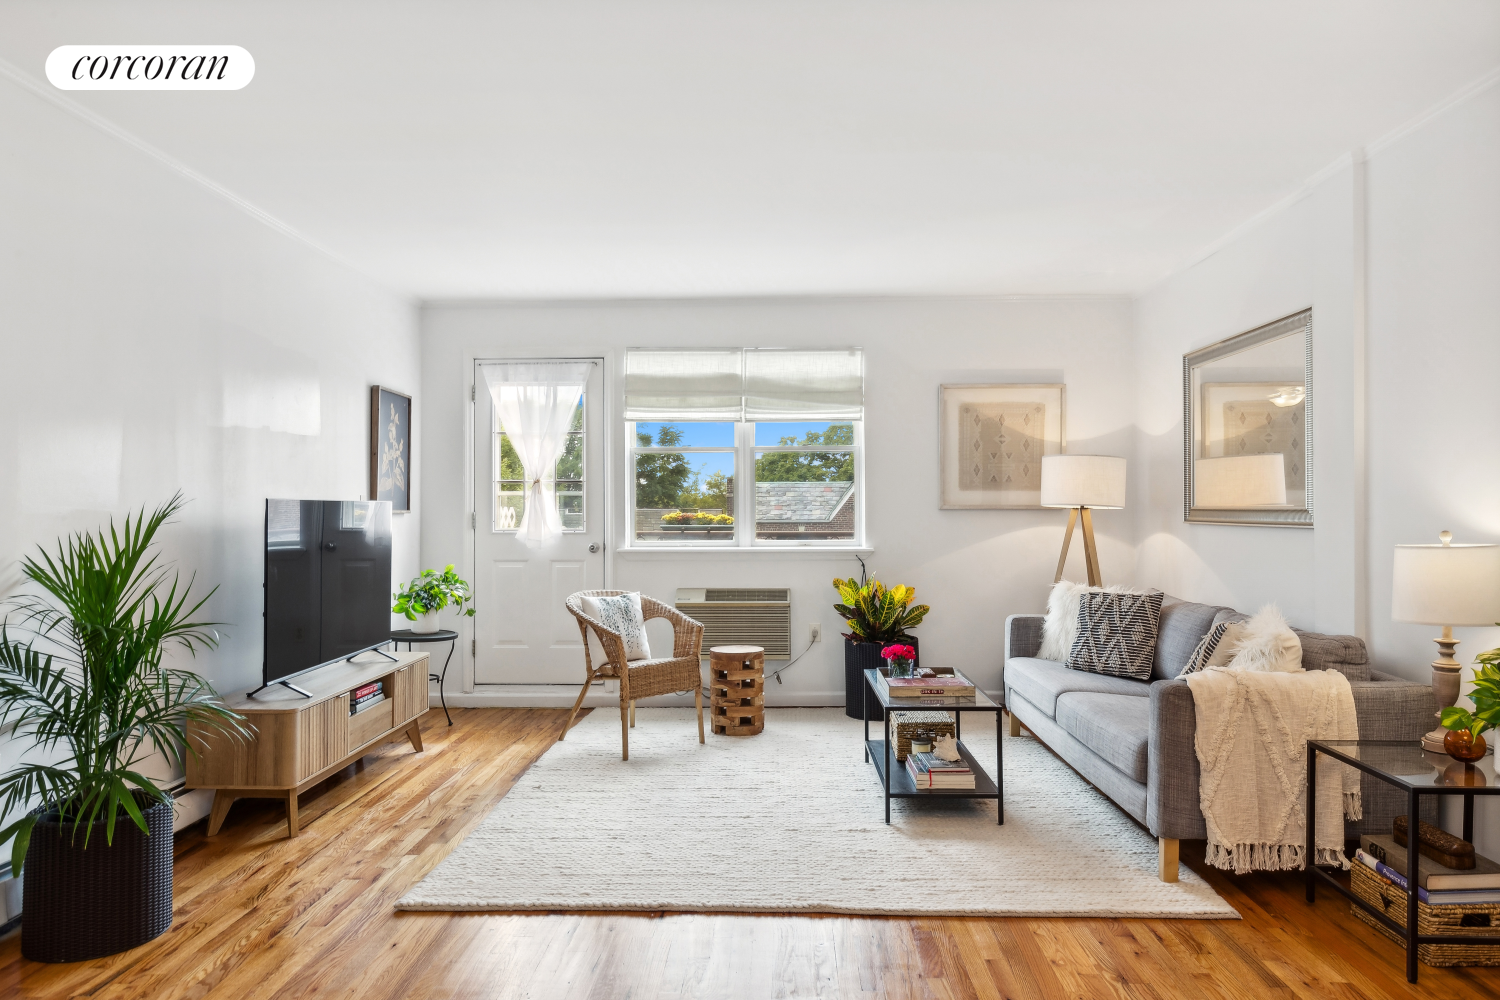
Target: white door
[522,629]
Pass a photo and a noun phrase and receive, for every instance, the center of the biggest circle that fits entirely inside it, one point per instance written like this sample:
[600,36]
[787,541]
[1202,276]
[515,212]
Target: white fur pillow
[1060,627]
[1267,643]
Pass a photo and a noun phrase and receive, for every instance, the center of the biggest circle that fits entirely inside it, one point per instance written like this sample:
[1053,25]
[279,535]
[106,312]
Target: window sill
[699,552]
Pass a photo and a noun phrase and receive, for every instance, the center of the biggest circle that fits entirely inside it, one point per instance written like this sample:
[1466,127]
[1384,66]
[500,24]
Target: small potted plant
[426,595]
[1464,741]
[877,617]
[901,657]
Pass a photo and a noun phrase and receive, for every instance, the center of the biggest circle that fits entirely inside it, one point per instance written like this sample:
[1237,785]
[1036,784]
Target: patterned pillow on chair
[623,615]
[1116,634]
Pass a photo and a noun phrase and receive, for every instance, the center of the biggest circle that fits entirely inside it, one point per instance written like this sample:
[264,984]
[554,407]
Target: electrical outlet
[817,632]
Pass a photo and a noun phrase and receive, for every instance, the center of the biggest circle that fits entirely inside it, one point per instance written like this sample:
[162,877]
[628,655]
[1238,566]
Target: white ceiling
[692,147]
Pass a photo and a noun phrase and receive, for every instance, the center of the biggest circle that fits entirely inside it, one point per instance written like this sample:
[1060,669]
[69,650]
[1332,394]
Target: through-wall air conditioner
[741,616]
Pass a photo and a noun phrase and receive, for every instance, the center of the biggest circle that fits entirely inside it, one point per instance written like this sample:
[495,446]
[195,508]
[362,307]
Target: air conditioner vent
[732,616]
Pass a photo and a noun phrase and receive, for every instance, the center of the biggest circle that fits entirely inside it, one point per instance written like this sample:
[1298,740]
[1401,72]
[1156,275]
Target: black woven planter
[859,657]
[80,903]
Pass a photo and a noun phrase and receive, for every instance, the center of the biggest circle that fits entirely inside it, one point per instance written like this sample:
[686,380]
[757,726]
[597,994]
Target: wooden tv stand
[297,741]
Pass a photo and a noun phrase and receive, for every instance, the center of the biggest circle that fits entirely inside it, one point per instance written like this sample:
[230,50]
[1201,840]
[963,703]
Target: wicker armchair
[681,671]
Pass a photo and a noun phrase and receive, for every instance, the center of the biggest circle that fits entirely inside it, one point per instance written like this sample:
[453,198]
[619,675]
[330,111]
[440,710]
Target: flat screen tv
[328,583]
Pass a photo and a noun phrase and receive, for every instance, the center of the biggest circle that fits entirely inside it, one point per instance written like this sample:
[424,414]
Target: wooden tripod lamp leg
[1090,552]
[1062,560]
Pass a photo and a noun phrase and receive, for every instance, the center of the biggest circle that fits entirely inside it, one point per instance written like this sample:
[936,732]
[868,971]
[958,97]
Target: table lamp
[1239,481]
[1081,482]
[1448,585]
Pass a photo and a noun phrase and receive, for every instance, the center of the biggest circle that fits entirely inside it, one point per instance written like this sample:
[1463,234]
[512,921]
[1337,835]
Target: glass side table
[1419,772]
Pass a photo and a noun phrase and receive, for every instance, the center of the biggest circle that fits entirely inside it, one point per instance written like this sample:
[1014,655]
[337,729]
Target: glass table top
[878,695]
[1409,766]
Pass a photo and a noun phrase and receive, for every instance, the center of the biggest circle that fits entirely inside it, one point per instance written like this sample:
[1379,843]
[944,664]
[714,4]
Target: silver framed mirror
[1247,405]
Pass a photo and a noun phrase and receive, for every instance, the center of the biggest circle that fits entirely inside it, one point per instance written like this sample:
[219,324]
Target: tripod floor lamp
[1082,483]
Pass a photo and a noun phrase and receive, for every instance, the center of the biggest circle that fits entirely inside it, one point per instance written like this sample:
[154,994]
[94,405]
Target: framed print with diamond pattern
[991,439]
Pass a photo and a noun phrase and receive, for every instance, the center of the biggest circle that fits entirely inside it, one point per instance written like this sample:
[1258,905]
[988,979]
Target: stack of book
[1437,884]
[362,698]
[943,689]
[931,771]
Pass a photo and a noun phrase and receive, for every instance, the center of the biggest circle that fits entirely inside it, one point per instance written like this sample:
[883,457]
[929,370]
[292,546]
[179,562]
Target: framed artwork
[1258,418]
[991,440]
[390,447]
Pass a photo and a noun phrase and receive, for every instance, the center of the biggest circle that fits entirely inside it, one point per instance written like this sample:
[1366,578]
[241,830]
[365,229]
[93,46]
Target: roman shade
[744,384]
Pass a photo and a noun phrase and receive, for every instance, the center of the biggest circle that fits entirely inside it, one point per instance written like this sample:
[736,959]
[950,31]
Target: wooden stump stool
[737,689]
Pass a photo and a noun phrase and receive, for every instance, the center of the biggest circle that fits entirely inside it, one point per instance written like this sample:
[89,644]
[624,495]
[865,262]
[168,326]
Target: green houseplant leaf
[876,613]
[434,591]
[1485,695]
[82,677]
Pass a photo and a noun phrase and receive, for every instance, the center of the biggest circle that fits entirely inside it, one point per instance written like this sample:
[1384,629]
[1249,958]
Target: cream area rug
[791,820]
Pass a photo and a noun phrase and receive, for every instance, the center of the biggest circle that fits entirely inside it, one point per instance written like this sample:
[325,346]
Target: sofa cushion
[1117,634]
[1114,726]
[1183,626]
[1042,681]
[1344,653]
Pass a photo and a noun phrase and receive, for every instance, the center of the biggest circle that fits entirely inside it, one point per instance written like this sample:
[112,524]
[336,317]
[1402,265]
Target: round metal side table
[447,635]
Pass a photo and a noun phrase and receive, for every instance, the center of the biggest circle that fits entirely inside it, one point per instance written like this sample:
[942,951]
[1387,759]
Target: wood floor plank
[261,917]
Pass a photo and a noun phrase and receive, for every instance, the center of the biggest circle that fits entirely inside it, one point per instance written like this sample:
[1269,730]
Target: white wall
[972,567]
[1398,256]
[155,338]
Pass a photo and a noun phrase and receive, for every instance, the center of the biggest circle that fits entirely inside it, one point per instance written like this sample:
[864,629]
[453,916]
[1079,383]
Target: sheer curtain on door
[535,401]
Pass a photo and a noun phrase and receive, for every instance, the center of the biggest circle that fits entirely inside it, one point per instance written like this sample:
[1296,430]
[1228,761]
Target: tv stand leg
[223,799]
[377,652]
[286,684]
[414,733]
[291,812]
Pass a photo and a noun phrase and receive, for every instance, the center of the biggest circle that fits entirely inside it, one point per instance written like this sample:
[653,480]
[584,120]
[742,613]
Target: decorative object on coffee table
[1437,844]
[1418,774]
[900,657]
[1448,585]
[908,725]
[737,690]
[877,617]
[1080,483]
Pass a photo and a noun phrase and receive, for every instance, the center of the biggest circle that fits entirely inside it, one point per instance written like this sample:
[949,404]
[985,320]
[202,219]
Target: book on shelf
[931,771]
[364,691]
[367,703]
[1434,897]
[1430,874]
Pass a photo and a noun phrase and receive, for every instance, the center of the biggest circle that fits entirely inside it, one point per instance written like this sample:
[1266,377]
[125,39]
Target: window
[740,448]
[510,485]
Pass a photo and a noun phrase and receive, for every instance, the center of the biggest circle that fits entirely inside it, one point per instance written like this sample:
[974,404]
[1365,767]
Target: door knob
[593,546]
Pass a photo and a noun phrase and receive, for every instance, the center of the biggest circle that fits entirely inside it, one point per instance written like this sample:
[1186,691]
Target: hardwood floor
[260,916]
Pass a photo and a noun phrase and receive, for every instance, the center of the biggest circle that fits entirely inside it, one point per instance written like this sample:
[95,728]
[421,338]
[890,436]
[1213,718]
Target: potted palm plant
[82,678]
[877,617]
[426,595]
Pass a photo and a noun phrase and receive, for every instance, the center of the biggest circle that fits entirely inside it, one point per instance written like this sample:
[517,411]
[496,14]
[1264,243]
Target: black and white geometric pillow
[1215,649]
[1117,634]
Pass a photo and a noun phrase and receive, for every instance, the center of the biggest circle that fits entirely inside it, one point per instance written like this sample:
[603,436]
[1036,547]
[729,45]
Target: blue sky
[721,435]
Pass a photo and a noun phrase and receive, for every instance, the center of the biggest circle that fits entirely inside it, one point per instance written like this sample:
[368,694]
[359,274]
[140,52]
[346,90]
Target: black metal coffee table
[447,635]
[1419,772]
[898,783]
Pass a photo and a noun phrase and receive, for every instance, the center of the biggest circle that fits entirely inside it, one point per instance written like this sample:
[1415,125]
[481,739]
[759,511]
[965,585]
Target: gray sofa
[1133,740]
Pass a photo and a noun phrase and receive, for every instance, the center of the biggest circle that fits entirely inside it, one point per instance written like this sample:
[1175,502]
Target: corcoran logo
[150,67]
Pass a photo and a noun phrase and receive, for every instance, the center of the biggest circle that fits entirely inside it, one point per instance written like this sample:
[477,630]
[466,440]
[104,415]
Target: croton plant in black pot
[877,616]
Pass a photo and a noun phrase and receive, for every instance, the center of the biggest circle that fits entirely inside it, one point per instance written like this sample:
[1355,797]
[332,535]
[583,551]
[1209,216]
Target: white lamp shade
[1446,584]
[1083,481]
[1240,481]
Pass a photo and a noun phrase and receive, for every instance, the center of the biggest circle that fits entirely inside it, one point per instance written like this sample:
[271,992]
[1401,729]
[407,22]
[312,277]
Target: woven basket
[906,724]
[1445,919]
[80,903]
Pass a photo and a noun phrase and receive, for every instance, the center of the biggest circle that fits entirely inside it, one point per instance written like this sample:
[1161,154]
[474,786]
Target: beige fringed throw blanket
[1252,735]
